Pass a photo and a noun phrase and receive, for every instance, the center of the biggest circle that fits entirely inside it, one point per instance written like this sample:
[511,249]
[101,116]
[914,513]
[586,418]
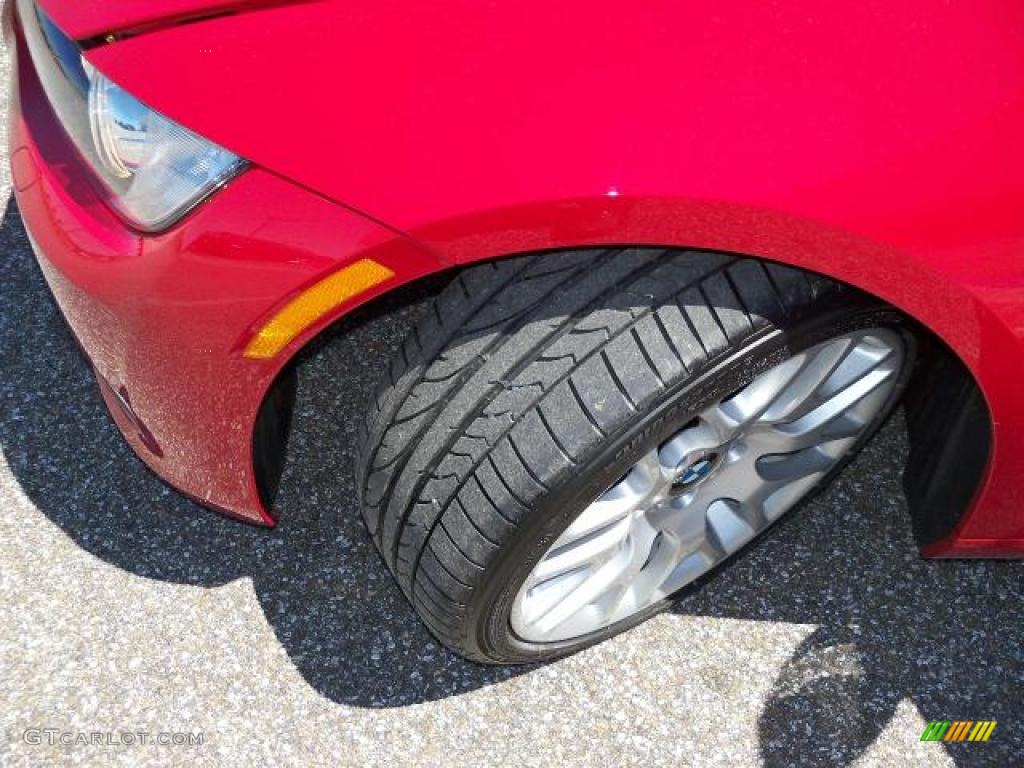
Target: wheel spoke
[814,372]
[642,485]
[785,496]
[752,401]
[605,584]
[785,467]
[646,588]
[832,419]
[865,357]
[591,550]
[643,556]
[730,528]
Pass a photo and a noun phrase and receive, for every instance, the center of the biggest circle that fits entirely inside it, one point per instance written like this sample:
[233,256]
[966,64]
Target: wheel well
[270,435]
[950,431]
[948,422]
[274,420]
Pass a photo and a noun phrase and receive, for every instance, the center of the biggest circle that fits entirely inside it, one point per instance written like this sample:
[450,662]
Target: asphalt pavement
[126,609]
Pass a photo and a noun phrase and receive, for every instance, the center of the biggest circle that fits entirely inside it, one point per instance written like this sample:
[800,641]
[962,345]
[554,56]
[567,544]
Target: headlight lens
[155,169]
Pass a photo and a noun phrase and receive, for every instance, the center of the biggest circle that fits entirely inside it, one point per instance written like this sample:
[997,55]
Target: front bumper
[164,319]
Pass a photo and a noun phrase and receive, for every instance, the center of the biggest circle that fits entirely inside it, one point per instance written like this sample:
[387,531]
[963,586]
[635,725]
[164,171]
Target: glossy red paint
[163,319]
[85,19]
[875,142]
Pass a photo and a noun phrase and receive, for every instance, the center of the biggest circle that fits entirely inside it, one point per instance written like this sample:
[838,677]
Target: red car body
[877,143]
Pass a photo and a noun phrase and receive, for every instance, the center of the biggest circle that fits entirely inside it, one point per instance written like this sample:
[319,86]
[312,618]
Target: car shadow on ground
[889,626]
[324,589]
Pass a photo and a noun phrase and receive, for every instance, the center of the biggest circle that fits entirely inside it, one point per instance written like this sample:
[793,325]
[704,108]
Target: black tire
[484,442]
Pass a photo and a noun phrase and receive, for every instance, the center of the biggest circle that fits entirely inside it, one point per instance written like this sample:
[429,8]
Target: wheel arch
[937,497]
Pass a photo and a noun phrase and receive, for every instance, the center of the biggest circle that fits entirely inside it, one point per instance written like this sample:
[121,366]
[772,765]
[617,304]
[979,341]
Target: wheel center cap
[695,471]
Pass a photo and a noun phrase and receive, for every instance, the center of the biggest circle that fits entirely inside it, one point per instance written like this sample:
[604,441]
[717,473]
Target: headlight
[154,169]
[157,168]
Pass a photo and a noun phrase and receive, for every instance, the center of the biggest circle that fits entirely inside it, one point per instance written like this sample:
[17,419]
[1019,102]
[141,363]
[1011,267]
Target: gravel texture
[126,608]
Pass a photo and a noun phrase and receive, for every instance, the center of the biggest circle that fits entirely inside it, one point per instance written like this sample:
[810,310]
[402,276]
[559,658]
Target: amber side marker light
[312,304]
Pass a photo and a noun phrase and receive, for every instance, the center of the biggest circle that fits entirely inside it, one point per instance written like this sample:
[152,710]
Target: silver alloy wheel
[700,496]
